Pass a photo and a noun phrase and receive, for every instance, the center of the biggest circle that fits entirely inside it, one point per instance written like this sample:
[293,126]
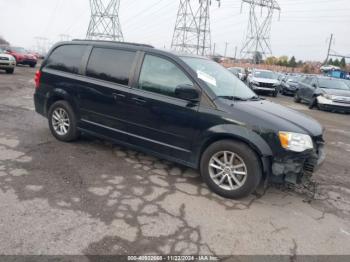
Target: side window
[66,58]
[307,80]
[161,76]
[111,65]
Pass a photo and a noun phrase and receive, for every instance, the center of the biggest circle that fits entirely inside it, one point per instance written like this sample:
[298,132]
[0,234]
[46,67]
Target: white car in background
[264,81]
[7,62]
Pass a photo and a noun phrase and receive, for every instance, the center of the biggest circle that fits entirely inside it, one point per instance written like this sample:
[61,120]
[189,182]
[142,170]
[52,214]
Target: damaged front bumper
[292,169]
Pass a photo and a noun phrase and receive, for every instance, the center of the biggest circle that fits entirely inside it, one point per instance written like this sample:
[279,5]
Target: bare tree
[3,41]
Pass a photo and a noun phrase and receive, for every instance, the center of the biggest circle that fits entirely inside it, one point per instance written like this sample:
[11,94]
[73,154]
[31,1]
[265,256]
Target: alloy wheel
[60,121]
[228,170]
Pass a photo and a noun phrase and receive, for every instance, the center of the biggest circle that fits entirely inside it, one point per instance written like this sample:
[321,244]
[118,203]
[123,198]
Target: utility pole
[257,40]
[192,28]
[226,44]
[104,21]
[214,49]
[65,37]
[236,52]
[42,45]
[329,49]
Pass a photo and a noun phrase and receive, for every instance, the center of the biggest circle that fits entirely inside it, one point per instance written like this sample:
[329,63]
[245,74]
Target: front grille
[4,64]
[268,85]
[4,58]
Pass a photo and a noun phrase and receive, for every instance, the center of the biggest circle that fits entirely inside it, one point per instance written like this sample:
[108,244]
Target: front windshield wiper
[235,98]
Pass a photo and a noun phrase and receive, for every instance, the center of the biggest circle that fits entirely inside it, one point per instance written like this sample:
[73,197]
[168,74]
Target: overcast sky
[303,29]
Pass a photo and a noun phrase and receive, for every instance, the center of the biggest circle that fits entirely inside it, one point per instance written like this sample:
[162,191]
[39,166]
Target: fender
[59,93]
[228,131]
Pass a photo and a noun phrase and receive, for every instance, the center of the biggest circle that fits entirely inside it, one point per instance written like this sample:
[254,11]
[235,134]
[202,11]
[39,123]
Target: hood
[6,55]
[336,92]
[265,80]
[270,116]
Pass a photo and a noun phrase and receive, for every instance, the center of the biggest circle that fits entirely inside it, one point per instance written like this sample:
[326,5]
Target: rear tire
[214,168]
[32,65]
[10,71]
[63,122]
[275,94]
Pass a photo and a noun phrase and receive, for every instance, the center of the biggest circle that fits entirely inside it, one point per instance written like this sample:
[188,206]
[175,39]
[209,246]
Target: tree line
[3,41]
[341,63]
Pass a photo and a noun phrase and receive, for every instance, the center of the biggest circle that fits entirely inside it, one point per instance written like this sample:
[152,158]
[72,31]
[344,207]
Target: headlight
[255,83]
[329,97]
[295,142]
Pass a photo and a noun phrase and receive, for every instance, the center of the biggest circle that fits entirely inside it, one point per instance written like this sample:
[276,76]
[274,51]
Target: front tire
[231,169]
[313,104]
[297,98]
[63,122]
[10,71]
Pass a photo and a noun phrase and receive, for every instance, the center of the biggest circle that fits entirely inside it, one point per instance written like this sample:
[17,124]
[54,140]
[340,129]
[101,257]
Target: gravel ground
[93,197]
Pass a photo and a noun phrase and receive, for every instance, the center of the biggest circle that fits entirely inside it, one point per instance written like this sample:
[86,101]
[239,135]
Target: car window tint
[307,80]
[161,76]
[111,65]
[66,58]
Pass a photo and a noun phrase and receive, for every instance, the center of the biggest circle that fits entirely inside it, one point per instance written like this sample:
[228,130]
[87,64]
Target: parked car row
[322,92]
[12,56]
[7,62]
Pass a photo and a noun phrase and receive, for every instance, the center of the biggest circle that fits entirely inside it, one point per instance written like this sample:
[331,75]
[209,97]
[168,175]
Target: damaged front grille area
[293,169]
[316,158]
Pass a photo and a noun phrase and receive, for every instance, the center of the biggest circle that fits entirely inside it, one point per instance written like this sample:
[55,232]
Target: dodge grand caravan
[183,108]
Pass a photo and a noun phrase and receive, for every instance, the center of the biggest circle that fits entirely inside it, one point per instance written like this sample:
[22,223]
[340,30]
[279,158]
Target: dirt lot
[92,197]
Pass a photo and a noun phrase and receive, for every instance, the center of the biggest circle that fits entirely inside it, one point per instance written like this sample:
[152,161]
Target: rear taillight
[37,79]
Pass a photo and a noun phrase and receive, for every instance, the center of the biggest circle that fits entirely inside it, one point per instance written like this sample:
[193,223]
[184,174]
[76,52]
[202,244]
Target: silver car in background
[7,62]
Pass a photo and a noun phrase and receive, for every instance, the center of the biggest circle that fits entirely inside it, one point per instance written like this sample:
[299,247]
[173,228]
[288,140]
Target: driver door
[159,120]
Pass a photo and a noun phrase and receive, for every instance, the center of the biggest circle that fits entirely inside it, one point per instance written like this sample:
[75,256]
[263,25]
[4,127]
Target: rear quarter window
[111,65]
[66,58]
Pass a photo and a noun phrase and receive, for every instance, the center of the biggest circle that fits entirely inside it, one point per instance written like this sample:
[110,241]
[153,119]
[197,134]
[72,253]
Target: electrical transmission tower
[104,21]
[257,41]
[192,28]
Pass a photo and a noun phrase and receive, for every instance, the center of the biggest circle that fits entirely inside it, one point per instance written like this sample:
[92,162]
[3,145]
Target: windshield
[264,74]
[219,79]
[19,50]
[333,84]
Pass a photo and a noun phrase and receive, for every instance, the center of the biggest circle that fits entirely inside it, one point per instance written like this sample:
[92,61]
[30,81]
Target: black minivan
[183,108]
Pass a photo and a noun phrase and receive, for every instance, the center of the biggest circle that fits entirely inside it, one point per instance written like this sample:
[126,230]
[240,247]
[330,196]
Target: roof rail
[114,42]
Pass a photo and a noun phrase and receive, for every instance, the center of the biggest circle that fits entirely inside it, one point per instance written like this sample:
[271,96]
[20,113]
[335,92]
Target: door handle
[139,101]
[117,96]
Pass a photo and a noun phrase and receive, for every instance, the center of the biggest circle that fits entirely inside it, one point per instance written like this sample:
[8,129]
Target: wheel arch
[249,138]
[58,95]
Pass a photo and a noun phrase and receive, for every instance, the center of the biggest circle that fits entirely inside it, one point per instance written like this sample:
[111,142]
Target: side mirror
[187,92]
